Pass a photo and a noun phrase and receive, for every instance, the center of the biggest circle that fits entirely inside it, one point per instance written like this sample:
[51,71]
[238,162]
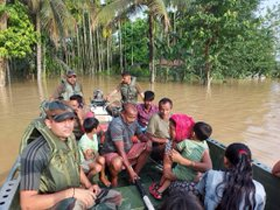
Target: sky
[267,3]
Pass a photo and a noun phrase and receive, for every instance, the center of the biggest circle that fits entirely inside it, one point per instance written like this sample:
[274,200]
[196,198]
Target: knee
[98,167]
[101,160]
[117,164]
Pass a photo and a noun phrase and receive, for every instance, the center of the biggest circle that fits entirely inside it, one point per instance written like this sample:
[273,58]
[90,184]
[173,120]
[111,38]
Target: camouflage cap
[70,73]
[59,111]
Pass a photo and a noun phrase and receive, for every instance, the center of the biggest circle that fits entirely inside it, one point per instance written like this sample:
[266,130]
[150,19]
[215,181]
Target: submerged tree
[17,39]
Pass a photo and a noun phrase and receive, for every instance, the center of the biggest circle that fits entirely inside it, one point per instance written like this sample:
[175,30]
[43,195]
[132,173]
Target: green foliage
[17,40]
[223,38]
[136,42]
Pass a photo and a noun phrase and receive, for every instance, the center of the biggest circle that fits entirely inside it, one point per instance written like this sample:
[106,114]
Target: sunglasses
[73,76]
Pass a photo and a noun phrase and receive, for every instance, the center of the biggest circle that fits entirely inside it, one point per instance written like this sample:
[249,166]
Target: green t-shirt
[86,143]
[192,150]
[158,127]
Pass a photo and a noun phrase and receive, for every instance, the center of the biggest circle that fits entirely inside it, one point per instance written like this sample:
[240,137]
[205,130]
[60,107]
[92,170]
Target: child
[233,188]
[190,161]
[92,162]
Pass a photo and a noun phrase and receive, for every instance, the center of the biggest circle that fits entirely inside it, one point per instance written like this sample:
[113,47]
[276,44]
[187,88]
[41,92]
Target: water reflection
[238,111]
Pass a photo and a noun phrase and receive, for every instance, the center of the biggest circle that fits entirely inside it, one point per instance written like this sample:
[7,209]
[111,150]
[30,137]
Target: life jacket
[184,126]
[70,90]
[129,92]
[62,171]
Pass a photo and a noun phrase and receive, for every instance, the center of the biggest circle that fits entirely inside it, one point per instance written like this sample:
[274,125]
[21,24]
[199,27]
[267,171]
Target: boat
[135,196]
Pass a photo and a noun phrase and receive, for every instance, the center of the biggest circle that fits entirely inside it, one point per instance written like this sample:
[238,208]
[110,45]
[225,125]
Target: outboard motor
[98,98]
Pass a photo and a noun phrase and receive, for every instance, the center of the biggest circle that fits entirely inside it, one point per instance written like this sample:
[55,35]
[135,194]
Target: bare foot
[105,181]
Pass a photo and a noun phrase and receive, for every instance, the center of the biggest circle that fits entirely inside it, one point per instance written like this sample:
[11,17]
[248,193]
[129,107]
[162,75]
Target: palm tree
[53,17]
[114,10]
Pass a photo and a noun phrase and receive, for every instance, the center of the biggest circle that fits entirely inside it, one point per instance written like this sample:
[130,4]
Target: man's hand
[85,196]
[95,189]
[133,176]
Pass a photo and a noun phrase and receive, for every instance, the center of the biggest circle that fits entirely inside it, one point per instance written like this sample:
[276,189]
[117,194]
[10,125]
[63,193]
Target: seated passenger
[50,173]
[91,161]
[76,103]
[146,109]
[192,154]
[158,127]
[181,201]
[233,188]
[67,87]
[119,150]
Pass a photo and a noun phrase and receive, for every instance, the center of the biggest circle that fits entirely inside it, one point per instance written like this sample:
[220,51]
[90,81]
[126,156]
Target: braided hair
[237,186]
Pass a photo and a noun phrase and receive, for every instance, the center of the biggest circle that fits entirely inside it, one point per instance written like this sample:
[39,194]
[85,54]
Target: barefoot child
[191,156]
[92,162]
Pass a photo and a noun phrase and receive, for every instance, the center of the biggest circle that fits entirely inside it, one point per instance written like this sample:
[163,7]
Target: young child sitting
[192,156]
[92,162]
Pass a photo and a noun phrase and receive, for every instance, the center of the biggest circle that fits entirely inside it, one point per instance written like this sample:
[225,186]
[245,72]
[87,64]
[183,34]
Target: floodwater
[247,111]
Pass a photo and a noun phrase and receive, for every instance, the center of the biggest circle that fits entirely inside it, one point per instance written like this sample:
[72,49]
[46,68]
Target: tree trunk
[91,59]
[120,46]
[151,49]
[207,75]
[39,47]
[3,61]
[98,49]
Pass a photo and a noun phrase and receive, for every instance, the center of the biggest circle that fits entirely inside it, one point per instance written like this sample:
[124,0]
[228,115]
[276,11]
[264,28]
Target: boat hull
[9,194]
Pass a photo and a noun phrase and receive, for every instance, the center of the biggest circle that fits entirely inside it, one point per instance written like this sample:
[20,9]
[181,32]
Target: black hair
[125,73]
[90,123]
[202,130]
[181,201]
[149,95]
[164,101]
[77,98]
[238,179]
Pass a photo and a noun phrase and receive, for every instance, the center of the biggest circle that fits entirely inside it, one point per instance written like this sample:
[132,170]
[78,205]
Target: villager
[233,188]
[68,87]
[191,155]
[92,162]
[146,110]
[119,150]
[128,88]
[76,103]
[181,201]
[158,128]
[51,175]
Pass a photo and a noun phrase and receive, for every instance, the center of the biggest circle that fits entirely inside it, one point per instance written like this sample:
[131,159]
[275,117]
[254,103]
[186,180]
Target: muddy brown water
[244,111]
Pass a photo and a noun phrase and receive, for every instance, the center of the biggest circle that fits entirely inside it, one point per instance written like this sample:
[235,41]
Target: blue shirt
[119,130]
[207,188]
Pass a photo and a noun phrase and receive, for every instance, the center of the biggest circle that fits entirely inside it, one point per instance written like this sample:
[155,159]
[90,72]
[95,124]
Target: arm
[276,169]
[156,139]
[204,165]
[120,148]
[31,199]
[112,93]
[92,187]
[58,91]
[139,91]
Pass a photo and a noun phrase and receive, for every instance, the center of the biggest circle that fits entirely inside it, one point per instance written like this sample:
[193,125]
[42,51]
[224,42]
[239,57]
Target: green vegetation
[18,38]
[197,40]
